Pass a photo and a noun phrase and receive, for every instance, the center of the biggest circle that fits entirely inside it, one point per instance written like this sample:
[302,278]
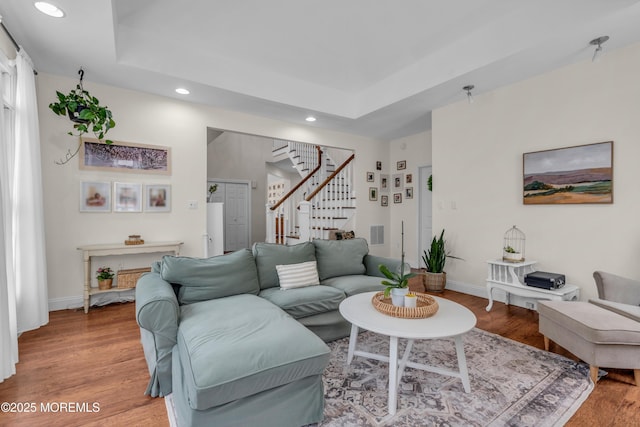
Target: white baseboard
[66,303]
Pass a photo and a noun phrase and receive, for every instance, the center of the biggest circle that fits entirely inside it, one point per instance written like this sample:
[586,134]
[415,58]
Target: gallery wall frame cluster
[123,197]
[399,184]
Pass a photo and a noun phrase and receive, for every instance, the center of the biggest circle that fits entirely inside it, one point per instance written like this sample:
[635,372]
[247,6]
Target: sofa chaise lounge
[232,346]
[605,331]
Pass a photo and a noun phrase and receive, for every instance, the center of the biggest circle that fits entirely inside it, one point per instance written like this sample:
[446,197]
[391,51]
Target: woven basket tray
[426,306]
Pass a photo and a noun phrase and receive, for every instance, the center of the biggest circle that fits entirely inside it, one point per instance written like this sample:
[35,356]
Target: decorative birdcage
[513,246]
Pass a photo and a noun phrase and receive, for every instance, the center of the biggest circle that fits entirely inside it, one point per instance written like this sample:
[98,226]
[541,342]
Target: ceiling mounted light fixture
[182,91]
[598,42]
[468,89]
[49,9]
[310,119]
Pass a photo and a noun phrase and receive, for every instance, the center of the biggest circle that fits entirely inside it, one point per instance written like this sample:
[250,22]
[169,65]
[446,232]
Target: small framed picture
[95,196]
[398,181]
[384,200]
[378,165]
[408,193]
[384,183]
[409,178]
[370,176]
[157,198]
[127,197]
[397,197]
[373,193]
[402,164]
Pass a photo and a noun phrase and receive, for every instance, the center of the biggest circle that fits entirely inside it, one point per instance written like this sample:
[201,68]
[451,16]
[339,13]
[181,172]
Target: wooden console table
[90,251]
[509,276]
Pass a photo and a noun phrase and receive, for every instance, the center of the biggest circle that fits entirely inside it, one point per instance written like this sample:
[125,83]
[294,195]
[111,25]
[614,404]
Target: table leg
[87,281]
[462,364]
[353,340]
[490,294]
[393,375]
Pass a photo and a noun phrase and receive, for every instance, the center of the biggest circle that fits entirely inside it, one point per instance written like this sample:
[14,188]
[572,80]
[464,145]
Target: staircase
[323,201]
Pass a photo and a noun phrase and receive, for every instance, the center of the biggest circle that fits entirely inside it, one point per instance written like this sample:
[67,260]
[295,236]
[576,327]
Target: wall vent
[376,235]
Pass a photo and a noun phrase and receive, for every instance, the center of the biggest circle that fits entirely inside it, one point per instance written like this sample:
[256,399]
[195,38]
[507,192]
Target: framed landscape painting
[572,175]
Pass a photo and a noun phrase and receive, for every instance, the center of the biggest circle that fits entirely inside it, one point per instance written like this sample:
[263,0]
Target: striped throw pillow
[298,275]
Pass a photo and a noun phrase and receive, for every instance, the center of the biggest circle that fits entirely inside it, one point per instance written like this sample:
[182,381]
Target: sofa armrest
[626,310]
[157,314]
[371,263]
[617,288]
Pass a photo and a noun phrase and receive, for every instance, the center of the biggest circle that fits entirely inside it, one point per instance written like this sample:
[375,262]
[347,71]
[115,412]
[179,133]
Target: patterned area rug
[512,384]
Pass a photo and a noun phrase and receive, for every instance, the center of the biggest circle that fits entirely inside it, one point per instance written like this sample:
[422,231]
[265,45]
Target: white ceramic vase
[397,296]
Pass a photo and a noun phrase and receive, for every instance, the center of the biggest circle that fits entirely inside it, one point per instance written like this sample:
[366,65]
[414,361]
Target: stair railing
[320,209]
[277,214]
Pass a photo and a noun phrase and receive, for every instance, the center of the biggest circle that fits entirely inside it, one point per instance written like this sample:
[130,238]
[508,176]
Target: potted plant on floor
[398,284]
[435,279]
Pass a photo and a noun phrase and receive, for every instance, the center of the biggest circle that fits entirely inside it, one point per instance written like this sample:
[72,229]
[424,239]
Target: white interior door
[236,216]
[425,214]
[235,196]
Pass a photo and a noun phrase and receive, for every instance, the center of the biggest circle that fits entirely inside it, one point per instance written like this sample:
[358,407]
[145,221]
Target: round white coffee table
[451,321]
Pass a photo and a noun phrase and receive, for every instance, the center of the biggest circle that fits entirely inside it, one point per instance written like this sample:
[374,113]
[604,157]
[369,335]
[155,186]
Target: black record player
[544,280]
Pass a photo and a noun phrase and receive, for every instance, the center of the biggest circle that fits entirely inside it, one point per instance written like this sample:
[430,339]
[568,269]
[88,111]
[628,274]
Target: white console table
[90,251]
[509,277]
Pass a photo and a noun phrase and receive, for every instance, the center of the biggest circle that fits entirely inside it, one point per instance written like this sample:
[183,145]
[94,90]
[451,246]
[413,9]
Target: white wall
[151,119]
[416,151]
[477,159]
[243,157]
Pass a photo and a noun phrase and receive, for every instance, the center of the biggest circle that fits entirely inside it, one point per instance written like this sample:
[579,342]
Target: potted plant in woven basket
[105,278]
[435,279]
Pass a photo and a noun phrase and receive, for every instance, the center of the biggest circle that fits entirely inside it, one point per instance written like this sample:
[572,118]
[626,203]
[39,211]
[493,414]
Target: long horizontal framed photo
[572,175]
[124,157]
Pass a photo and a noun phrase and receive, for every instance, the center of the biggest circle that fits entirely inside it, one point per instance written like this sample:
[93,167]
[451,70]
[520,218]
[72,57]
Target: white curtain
[23,266]
[8,322]
[28,213]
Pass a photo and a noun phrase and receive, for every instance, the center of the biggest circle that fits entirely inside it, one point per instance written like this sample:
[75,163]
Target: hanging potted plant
[85,112]
[435,279]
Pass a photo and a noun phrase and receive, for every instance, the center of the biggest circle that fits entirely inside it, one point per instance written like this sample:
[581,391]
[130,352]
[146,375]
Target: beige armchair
[603,332]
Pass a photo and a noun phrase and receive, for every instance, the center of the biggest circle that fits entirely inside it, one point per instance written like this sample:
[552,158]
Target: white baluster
[271,225]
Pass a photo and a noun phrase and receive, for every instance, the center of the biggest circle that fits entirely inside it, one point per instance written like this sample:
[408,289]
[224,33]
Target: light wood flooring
[97,357]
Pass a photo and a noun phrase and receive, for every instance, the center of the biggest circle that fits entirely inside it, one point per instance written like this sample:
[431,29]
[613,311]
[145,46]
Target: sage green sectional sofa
[236,349]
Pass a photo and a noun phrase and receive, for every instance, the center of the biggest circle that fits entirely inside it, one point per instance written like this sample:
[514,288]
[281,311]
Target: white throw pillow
[298,275]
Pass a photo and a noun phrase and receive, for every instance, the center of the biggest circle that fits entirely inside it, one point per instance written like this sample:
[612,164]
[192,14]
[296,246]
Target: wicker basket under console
[128,278]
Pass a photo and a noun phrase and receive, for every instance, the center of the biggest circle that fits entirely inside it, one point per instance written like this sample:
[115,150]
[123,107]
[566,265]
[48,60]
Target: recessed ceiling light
[49,9]
[310,119]
[182,91]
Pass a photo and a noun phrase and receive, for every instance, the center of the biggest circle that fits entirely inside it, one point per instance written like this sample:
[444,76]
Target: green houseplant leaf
[436,256]
[399,279]
[85,112]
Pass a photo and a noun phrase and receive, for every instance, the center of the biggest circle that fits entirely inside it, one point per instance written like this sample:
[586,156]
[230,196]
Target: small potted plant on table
[105,278]
[398,284]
